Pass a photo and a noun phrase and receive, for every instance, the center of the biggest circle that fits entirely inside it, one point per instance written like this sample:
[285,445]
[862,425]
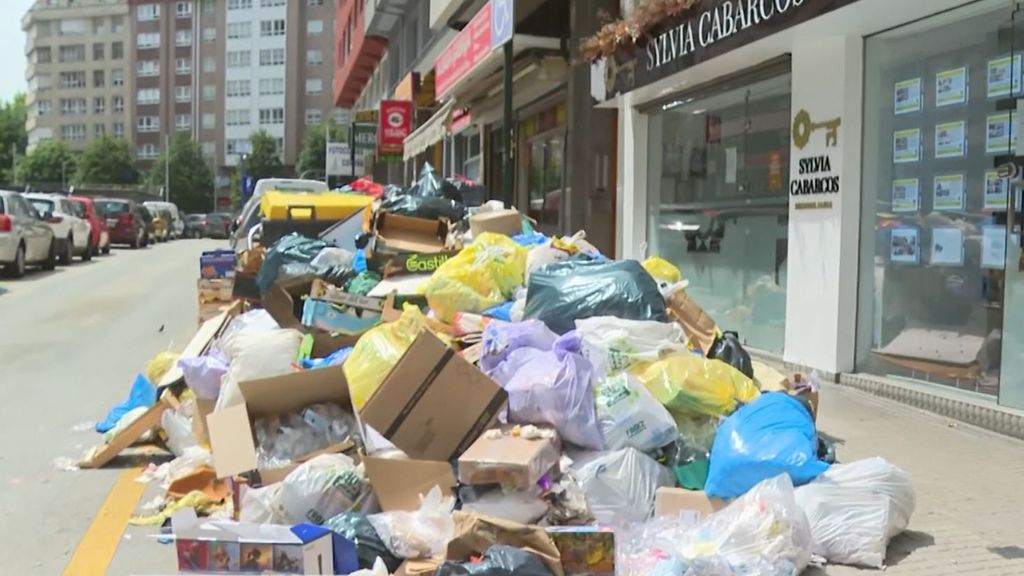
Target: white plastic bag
[629,416]
[612,343]
[255,355]
[178,430]
[620,486]
[379,569]
[257,505]
[319,489]
[855,509]
[258,320]
[418,534]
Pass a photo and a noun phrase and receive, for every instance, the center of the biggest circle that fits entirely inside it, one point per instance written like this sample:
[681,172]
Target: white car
[71,232]
[177,224]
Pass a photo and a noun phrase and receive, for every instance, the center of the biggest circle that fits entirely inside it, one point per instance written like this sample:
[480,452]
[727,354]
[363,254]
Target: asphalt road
[71,343]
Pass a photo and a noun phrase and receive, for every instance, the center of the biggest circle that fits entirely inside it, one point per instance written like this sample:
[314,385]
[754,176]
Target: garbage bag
[355,527]
[620,486]
[319,489]
[561,293]
[552,387]
[178,430]
[159,366]
[630,417]
[469,192]
[255,355]
[292,248]
[501,338]
[728,349]
[689,455]
[662,270]
[258,320]
[282,437]
[772,435]
[257,506]
[333,359]
[499,560]
[142,395]
[691,385]
[203,373]
[482,275]
[427,207]
[855,509]
[614,344]
[419,534]
[377,351]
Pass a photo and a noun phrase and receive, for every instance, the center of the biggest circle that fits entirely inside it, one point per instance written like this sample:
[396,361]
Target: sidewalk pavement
[969,484]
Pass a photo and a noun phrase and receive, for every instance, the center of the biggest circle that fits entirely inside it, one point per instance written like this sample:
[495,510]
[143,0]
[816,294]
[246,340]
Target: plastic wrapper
[281,438]
[772,435]
[855,509]
[499,560]
[355,527]
[124,422]
[689,455]
[418,534]
[630,417]
[552,387]
[379,568]
[620,486]
[560,294]
[159,365]
[142,395]
[293,248]
[178,430]
[319,489]
[522,506]
[691,385]
[203,374]
[501,338]
[482,275]
[257,505]
[333,359]
[662,270]
[615,344]
[728,349]
[255,355]
[377,351]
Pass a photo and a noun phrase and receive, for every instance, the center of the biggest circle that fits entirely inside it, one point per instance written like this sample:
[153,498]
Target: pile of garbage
[462,395]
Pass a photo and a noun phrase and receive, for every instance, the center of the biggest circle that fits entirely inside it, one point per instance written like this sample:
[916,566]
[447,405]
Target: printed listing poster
[951,139]
[906,146]
[997,191]
[993,247]
[949,192]
[951,87]
[1004,76]
[906,195]
[905,248]
[947,247]
[1000,134]
[908,96]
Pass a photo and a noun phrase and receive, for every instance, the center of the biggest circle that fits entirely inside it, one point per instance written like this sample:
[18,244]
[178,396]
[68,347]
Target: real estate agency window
[544,134]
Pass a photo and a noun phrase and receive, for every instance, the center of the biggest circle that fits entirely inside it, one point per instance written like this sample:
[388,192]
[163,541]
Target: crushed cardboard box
[510,460]
[399,482]
[671,502]
[396,233]
[507,222]
[284,304]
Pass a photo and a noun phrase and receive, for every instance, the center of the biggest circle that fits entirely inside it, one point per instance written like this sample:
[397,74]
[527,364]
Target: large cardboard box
[284,304]
[399,482]
[213,297]
[507,222]
[395,233]
[433,404]
[692,503]
[512,461]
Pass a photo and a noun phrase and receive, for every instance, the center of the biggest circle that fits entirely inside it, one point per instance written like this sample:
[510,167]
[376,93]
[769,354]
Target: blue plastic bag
[333,359]
[143,394]
[770,436]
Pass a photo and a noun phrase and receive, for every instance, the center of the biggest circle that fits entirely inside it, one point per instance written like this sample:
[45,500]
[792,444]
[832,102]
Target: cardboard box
[230,428]
[694,504]
[395,233]
[433,404]
[217,264]
[225,547]
[698,326]
[284,304]
[512,461]
[507,222]
[149,420]
[585,550]
[389,265]
[213,297]
[331,309]
[398,483]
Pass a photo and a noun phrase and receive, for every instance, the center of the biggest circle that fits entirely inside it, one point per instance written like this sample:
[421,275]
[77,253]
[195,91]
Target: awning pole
[507,166]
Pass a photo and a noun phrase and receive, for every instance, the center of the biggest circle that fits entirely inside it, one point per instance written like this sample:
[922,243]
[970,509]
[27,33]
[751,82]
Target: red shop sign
[469,48]
[395,126]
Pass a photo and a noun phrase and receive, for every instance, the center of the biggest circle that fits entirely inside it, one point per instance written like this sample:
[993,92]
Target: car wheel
[89,251]
[106,250]
[137,241]
[51,257]
[197,234]
[16,269]
[65,255]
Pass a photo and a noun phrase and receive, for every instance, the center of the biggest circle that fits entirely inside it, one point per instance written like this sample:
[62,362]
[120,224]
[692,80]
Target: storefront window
[719,208]
[938,101]
[547,162]
[467,154]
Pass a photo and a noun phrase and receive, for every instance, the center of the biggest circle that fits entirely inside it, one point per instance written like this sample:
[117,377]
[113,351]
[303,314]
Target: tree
[191,180]
[49,162]
[106,161]
[314,149]
[13,115]
[263,159]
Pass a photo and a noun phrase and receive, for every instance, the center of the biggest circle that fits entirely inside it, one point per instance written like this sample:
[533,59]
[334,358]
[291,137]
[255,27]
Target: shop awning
[532,78]
[432,131]
[467,86]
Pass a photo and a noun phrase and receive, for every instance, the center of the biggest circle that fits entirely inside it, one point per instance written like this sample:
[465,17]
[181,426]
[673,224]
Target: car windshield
[42,206]
[111,208]
[79,209]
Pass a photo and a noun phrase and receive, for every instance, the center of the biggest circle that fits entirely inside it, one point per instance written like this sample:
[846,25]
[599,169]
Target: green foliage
[13,115]
[314,149]
[263,160]
[106,161]
[191,180]
[45,162]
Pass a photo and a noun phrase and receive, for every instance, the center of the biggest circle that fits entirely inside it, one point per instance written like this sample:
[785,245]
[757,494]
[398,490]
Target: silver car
[25,239]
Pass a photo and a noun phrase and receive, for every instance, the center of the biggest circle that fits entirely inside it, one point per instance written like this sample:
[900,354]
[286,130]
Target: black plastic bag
[292,249]
[499,560]
[464,190]
[355,527]
[728,349]
[563,292]
[428,198]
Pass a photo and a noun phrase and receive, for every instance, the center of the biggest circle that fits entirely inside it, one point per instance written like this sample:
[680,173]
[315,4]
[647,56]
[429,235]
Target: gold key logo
[803,127]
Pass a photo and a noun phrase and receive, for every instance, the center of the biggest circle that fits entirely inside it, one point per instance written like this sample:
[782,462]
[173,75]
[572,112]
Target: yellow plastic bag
[662,270]
[378,351]
[159,366]
[692,385]
[482,275]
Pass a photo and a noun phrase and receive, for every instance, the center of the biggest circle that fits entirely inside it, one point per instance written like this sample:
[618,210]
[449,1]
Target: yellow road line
[100,542]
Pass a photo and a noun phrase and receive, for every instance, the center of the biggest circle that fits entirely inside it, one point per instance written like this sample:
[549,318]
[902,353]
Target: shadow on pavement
[905,544]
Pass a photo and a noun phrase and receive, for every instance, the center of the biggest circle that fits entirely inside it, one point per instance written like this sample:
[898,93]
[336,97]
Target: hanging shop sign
[468,49]
[395,126]
[712,29]
[364,136]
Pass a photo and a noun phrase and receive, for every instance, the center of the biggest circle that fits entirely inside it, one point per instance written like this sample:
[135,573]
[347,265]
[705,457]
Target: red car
[99,236]
[125,221]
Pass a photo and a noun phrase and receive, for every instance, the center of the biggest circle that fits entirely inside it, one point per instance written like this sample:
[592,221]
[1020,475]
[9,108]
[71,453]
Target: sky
[12,46]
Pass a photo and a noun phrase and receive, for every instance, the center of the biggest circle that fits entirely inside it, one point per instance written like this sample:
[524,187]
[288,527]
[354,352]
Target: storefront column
[821,297]
[631,199]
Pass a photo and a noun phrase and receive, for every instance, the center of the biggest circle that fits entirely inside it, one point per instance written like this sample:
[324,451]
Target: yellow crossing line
[100,542]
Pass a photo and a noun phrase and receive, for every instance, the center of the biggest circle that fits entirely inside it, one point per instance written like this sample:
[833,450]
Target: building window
[183,38]
[117,77]
[314,86]
[209,92]
[237,30]
[315,27]
[183,122]
[98,79]
[209,35]
[98,25]
[73,106]
[239,4]
[241,117]
[340,116]
[314,117]
[270,116]
[43,107]
[73,132]
[117,24]
[148,12]
[74,53]
[117,50]
[72,79]
[314,2]
[467,157]
[271,86]
[148,40]
[182,93]
[147,68]
[272,57]
[99,130]
[183,9]
[44,55]
[148,124]
[98,51]
[209,64]
[272,28]
[209,149]
[99,105]
[209,7]
[117,103]
[209,121]
[148,96]
[272,3]
[237,88]
[183,66]
[147,151]
[235,146]
[118,130]
[314,57]
[239,59]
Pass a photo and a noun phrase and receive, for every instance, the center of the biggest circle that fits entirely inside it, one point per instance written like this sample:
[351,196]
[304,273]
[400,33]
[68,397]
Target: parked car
[125,221]
[177,223]
[99,239]
[195,225]
[25,239]
[72,232]
[161,223]
[218,225]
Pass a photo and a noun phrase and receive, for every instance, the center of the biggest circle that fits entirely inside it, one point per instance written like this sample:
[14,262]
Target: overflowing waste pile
[455,393]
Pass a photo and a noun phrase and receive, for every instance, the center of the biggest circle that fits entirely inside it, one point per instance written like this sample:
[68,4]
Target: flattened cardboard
[150,419]
[398,484]
[507,222]
[674,501]
[511,461]
[203,408]
[433,404]
[395,233]
[698,326]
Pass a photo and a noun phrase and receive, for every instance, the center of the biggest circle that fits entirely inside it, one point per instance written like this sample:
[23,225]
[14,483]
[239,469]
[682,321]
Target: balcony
[381,16]
[356,57]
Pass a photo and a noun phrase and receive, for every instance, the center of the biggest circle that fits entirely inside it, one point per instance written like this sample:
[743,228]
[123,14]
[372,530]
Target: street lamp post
[64,174]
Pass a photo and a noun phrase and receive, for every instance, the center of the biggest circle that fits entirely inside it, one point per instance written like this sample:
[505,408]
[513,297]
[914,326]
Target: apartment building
[79,80]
